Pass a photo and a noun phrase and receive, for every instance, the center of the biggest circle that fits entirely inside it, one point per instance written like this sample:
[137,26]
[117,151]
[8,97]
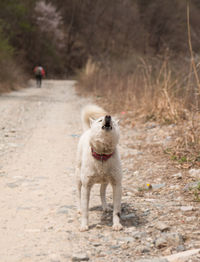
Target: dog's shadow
[129,217]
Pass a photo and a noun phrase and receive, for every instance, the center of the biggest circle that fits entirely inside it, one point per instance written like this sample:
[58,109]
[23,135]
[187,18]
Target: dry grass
[186,148]
[154,89]
[11,75]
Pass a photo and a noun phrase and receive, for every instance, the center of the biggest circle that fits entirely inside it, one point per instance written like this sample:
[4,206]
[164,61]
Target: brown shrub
[154,89]
[159,89]
[11,75]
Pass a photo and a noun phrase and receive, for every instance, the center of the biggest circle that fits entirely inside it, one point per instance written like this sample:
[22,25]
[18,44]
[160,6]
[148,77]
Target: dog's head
[104,123]
[104,133]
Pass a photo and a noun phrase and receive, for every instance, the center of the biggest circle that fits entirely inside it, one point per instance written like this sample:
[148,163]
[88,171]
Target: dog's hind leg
[79,185]
[117,192]
[85,196]
[103,197]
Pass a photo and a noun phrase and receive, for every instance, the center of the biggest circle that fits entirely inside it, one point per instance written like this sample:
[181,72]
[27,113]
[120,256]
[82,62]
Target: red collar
[101,157]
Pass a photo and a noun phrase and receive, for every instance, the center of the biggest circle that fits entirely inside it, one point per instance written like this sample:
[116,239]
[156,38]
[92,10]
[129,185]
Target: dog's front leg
[103,197]
[85,195]
[79,185]
[117,192]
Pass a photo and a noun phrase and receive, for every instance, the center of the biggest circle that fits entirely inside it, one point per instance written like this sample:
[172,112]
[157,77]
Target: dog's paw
[84,228]
[117,227]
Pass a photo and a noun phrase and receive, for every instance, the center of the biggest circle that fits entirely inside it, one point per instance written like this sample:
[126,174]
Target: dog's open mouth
[107,125]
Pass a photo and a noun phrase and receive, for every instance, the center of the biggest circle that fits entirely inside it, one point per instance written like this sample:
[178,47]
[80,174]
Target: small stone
[158,186]
[167,251]
[136,173]
[62,210]
[161,242]
[195,173]
[108,252]
[169,239]
[13,145]
[162,226]
[190,219]
[139,235]
[98,226]
[142,249]
[127,239]
[80,257]
[124,246]
[115,246]
[150,199]
[151,126]
[197,233]
[177,176]
[168,138]
[174,238]
[174,187]
[180,248]
[187,208]
[183,256]
[129,216]
[12,185]
[146,212]
[153,260]
[96,244]
[149,239]
[100,254]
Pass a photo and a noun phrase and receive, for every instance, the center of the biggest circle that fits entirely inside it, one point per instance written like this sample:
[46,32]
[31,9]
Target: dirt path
[39,131]
[37,189]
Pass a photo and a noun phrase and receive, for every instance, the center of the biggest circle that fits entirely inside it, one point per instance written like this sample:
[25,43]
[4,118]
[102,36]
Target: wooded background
[63,34]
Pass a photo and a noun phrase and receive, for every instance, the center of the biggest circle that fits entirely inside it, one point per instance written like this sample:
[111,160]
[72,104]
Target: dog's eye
[100,120]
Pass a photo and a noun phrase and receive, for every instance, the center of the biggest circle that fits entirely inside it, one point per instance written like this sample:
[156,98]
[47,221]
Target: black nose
[107,120]
[107,125]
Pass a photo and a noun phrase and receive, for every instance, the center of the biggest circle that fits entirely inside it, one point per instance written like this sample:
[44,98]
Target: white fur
[90,171]
[91,112]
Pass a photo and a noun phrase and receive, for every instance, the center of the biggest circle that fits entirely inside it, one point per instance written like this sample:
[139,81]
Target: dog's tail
[91,112]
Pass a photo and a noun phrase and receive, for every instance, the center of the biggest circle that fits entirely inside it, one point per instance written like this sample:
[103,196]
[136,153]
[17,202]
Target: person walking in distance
[39,74]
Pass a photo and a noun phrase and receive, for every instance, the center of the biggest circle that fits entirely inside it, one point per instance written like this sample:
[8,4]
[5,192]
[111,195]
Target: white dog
[98,161]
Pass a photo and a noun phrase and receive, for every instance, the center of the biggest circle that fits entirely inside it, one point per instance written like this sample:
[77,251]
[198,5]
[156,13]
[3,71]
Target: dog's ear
[91,120]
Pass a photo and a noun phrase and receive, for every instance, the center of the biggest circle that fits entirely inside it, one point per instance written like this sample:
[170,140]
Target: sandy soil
[39,131]
[37,167]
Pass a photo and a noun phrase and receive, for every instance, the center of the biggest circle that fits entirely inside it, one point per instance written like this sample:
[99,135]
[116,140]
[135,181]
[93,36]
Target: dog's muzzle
[107,125]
